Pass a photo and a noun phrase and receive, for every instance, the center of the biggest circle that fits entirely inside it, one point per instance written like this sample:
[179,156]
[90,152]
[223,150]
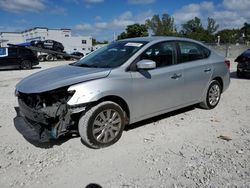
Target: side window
[162,53]
[3,52]
[12,51]
[206,52]
[191,52]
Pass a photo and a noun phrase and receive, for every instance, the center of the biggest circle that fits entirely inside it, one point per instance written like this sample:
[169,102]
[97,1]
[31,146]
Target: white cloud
[187,12]
[58,11]
[141,1]
[143,16]
[227,16]
[128,18]
[94,1]
[83,27]
[22,5]
[126,15]
[106,29]
[228,19]
[237,4]
[98,18]
[101,25]
[123,20]
[207,6]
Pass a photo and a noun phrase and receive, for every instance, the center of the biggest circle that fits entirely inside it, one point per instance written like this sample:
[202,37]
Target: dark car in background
[48,44]
[243,67]
[16,57]
[79,54]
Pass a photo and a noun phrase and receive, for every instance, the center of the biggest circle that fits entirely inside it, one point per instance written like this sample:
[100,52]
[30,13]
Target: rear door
[161,88]
[197,70]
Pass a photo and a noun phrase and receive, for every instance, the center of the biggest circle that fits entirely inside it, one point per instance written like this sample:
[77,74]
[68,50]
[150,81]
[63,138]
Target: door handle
[176,76]
[207,70]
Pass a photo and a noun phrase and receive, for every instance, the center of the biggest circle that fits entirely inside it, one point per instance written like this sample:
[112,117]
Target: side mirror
[146,64]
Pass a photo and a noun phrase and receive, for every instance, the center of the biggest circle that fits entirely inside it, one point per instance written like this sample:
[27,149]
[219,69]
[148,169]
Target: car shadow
[233,75]
[63,139]
[52,143]
[160,117]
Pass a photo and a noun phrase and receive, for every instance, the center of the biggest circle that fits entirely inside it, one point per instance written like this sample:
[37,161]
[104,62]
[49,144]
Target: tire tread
[83,123]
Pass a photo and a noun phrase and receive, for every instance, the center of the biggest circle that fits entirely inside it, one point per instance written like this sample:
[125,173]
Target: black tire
[88,125]
[239,74]
[212,101]
[26,64]
[41,58]
[50,57]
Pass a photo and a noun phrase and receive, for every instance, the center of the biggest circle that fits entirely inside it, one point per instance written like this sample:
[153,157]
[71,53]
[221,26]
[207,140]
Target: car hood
[58,77]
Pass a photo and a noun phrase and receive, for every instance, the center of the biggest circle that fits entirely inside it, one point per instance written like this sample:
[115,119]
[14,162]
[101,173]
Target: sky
[103,19]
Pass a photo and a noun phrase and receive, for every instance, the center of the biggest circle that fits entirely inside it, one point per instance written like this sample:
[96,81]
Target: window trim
[132,67]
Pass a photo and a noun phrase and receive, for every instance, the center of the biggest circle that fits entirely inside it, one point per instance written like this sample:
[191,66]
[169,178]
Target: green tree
[246,31]
[195,30]
[162,26]
[192,26]
[229,35]
[212,27]
[135,30]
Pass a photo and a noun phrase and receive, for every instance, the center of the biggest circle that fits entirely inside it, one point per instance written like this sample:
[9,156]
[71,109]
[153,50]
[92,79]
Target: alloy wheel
[107,125]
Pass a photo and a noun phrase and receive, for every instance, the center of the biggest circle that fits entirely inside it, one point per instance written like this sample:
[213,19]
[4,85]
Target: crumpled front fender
[85,93]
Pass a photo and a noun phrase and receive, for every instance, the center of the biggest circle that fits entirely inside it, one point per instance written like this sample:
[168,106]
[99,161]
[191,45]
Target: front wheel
[102,125]
[213,95]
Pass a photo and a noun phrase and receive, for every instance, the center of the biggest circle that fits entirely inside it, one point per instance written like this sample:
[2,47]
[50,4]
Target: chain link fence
[229,50]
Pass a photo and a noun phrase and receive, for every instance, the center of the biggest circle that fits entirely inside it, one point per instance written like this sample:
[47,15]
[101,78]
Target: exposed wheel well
[119,101]
[220,81]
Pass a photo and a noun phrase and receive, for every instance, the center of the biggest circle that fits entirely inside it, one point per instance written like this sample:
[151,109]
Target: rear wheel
[102,125]
[50,57]
[41,58]
[26,64]
[213,95]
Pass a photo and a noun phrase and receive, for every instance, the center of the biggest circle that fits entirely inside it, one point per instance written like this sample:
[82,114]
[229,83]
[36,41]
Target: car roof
[159,39]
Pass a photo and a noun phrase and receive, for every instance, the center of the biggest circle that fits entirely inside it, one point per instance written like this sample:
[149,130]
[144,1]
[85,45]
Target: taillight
[227,62]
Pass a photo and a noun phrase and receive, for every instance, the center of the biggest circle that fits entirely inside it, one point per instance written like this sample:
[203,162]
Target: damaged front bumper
[45,122]
[30,130]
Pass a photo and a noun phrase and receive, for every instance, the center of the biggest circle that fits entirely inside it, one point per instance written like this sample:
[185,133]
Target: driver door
[159,89]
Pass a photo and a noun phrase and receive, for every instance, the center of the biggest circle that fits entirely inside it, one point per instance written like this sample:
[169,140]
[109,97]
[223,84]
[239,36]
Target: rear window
[3,52]
[12,51]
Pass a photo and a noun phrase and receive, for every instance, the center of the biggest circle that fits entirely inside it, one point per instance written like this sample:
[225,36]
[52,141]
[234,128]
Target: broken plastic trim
[49,110]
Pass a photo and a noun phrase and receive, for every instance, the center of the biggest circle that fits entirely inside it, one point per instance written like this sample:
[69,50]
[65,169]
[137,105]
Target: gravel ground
[178,149]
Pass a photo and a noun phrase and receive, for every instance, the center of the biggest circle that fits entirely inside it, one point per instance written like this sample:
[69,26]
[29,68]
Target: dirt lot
[179,149]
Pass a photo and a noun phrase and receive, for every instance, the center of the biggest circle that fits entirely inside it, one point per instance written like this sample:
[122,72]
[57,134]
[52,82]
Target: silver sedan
[122,83]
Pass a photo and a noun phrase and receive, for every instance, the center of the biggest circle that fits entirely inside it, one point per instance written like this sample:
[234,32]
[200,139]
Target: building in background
[71,43]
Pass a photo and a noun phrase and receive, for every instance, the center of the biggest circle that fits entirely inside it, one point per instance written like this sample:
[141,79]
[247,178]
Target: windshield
[112,55]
